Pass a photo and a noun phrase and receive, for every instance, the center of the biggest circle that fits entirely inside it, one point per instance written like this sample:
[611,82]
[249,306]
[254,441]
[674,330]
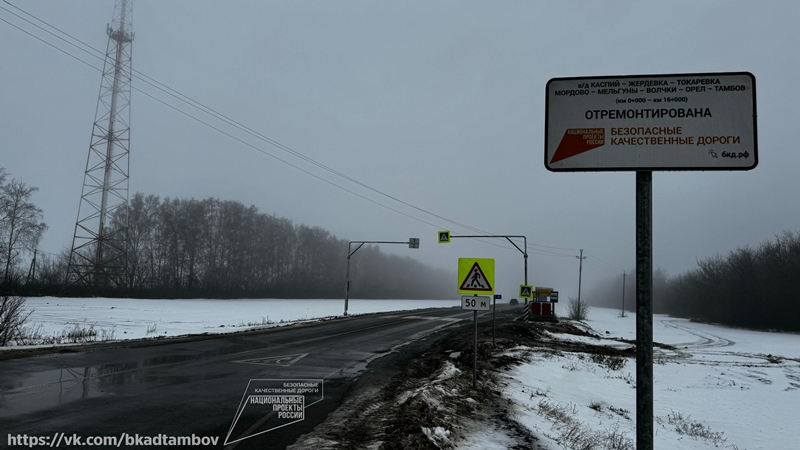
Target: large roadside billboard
[703,121]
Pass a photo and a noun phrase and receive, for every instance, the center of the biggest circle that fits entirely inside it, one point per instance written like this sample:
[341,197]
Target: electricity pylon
[99,245]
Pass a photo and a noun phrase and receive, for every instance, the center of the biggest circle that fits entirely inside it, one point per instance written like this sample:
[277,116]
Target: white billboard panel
[701,121]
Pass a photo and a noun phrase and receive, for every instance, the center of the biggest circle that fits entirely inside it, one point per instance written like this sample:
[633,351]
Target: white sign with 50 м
[475,302]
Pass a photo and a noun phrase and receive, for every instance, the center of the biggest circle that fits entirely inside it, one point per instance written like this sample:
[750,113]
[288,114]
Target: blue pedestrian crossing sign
[525,291]
[444,237]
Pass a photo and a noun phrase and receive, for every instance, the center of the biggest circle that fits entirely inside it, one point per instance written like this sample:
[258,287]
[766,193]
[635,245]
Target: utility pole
[580,270]
[32,270]
[623,294]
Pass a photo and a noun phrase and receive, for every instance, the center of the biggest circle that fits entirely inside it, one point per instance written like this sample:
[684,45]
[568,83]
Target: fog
[429,115]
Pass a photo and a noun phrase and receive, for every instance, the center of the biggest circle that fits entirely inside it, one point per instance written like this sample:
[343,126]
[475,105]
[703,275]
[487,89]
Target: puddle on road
[41,390]
[47,389]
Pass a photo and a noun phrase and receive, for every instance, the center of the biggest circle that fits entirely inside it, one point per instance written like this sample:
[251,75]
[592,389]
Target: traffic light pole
[508,238]
[412,243]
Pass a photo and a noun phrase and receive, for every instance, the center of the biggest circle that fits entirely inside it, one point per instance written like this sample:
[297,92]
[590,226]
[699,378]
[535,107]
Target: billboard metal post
[644,310]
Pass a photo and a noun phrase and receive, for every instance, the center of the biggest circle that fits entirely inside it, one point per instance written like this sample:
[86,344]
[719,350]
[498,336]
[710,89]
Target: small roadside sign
[498,297]
[476,276]
[444,237]
[475,302]
[554,297]
[542,291]
[525,291]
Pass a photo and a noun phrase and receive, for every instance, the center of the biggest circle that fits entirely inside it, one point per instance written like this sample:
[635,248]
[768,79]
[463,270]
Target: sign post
[644,308]
[494,310]
[475,303]
[476,276]
[641,123]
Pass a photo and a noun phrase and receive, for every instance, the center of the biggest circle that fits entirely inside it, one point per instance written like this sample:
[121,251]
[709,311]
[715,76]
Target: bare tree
[12,318]
[577,309]
[141,218]
[21,225]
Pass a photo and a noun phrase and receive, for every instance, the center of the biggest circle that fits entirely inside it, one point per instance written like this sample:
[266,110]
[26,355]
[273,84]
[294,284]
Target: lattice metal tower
[99,246]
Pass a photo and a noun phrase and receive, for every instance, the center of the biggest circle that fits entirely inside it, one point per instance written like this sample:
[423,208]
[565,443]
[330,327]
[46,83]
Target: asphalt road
[199,386]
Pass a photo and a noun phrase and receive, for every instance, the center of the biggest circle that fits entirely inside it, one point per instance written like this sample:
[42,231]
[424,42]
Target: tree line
[223,248]
[209,248]
[752,288]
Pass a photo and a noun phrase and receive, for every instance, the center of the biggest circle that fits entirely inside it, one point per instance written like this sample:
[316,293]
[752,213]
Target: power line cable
[599,263]
[220,130]
[238,139]
[598,259]
[188,100]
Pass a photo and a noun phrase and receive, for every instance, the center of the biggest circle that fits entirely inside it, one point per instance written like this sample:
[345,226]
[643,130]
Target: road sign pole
[475,353]
[347,281]
[494,309]
[644,310]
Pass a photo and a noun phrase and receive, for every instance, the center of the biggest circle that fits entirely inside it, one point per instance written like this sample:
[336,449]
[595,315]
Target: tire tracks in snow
[706,349]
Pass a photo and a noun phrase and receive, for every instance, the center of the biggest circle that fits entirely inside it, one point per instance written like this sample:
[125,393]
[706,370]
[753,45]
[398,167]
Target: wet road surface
[197,387]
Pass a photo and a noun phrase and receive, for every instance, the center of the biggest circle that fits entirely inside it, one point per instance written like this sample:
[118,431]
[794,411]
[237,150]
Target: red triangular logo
[577,141]
[476,280]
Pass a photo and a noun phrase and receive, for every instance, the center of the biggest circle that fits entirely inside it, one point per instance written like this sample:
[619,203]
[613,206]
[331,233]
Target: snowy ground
[120,319]
[719,388]
[715,387]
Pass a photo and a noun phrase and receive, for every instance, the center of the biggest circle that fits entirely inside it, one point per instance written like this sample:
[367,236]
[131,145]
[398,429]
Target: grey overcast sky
[438,104]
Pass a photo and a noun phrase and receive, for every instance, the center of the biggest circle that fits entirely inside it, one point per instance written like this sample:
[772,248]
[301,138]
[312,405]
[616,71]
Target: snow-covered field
[120,319]
[722,388]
